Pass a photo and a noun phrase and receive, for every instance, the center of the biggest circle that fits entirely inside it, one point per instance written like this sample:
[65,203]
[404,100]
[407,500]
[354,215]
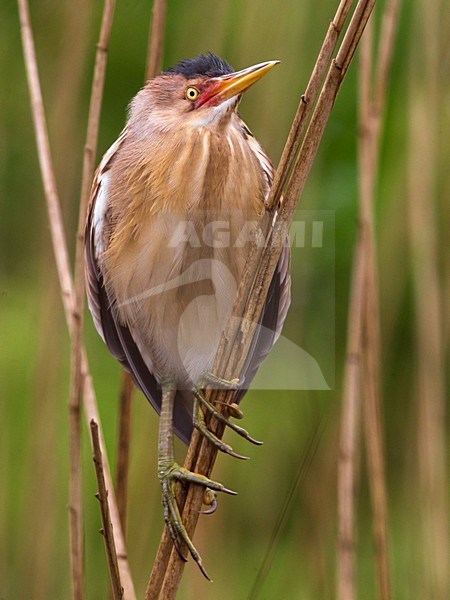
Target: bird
[174,204]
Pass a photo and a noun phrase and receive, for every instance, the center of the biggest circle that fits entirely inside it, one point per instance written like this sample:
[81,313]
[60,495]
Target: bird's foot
[201,405]
[168,476]
[218,382]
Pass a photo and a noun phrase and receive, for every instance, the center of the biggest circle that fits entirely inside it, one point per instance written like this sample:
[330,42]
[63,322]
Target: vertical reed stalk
[63,268]
[76,377]
[349,430]
[123,447]
[374,74]
[107,529]
[425,96]
[156,39]
[364,322]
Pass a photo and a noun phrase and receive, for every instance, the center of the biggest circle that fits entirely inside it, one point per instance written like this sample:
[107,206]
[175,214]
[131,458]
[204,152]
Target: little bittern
[174,203]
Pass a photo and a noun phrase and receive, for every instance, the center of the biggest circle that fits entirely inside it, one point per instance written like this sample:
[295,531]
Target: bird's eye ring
[192,93]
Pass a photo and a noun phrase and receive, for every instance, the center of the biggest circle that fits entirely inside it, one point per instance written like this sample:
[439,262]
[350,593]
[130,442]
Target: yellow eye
[192,93]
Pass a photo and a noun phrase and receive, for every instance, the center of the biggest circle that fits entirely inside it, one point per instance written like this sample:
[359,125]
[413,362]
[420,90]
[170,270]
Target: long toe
[218,382]
[172,514]
[207,406]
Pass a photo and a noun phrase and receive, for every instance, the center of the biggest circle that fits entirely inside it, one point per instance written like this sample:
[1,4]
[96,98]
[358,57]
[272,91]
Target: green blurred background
[34,558]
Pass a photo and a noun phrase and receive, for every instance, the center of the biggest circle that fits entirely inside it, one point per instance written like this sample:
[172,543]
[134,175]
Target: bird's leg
[201,405]
[169,472]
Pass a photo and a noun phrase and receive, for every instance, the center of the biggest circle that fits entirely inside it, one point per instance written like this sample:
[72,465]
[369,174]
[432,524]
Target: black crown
[208,65]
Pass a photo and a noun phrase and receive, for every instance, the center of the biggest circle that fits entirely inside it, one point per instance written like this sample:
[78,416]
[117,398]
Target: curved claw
[220,417]
[234,454]
[210,510]
[199,424]
[209,499]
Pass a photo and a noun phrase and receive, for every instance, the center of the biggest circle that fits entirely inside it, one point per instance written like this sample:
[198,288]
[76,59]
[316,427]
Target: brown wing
[279,294]
[271,322]
[117,336]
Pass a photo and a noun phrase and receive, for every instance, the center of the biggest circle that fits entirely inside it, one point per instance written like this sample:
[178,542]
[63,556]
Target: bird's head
[196,92]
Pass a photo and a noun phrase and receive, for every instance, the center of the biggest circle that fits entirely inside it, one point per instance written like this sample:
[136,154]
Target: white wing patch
[99,196]
[99,213]
[96,241]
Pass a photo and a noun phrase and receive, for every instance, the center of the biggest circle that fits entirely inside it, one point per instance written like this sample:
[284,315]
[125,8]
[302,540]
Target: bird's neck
[199,168]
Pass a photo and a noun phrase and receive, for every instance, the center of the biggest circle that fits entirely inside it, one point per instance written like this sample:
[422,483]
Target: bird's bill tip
[232,84]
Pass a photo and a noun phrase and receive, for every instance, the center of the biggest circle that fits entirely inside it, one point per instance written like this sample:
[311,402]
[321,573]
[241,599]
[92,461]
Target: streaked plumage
[159,298]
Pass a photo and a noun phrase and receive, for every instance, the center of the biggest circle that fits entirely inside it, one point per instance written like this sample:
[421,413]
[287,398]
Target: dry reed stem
[45,163]
[63,268]
[251,295]
[372,103]
[156,39]
[350,424]
[92,414]
[364,324]
[75,490]
[373,429]
[76,381]
[426,96]
[123,447]
[107,530]
[349,430]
